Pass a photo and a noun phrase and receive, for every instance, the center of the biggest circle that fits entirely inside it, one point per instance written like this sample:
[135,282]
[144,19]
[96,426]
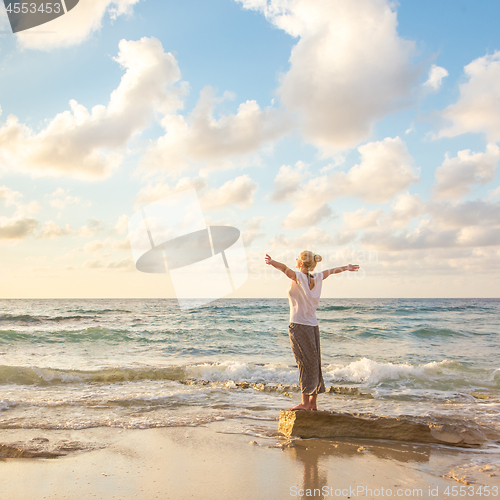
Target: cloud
[313,237]
[252,230]
[51,230]
[348,70]
[455,262]
[121,226]
[13,198]
[76,26]
[443,225]
[288,181]
[384,171]
[239,191]
[92,228]
[405,207]
[17,228]
[472,213]
[203,138]
[456,176]
[60,198]
[157,191]
[304,216]
[91,145]
[361,218]
[478,107]
[126,264]
[436,76]
[9,196]
[494,193]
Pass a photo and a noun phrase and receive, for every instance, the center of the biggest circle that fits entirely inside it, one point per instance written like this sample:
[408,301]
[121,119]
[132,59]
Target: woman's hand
[268,260]
[352,267]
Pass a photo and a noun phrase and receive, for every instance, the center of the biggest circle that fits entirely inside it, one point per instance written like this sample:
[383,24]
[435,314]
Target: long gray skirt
[307,353]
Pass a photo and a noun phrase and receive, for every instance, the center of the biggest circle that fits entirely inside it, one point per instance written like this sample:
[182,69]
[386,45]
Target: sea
[142,363]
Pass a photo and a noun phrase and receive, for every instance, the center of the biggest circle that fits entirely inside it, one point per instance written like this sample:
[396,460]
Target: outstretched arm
[337,270]
[281,267]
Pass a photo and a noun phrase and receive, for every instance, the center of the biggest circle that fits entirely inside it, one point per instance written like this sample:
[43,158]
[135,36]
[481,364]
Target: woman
[303,296]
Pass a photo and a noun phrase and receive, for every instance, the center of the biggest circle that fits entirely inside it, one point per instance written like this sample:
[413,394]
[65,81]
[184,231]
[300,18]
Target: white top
[304,302]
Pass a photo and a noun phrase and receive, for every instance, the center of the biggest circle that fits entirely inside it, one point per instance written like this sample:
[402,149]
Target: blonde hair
[309,259]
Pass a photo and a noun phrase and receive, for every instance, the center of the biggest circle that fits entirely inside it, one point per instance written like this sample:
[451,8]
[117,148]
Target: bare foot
[313,408]
[299,407]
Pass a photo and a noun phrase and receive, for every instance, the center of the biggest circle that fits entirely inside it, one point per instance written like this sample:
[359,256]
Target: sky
[366,131]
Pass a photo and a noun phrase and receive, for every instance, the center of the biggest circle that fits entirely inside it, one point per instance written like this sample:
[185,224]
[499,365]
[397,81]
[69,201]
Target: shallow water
[70,364]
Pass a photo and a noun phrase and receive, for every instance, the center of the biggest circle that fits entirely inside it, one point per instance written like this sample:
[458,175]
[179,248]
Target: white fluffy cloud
[17,228]
[361,218]
[456,176]
[288,181]
[9,196]
[405,207]
[348,69]
[90,145]
[13,198]
[157,191]
[75,26]
[201,138]
[478,107]
[253,230]
[436,75]
[121,226]
[93,227]
[443,225]
[384,170]
[239,191]
[307,215]
[314,237]
[449,215]
[60,199]
[51,230]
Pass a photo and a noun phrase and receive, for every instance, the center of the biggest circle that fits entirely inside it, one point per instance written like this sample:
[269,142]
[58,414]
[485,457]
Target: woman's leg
[304,341]
[308,402]
[304,405]
[312,402]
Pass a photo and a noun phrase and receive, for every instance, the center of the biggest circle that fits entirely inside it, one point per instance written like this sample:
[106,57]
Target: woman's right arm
[281,267]
[337,270]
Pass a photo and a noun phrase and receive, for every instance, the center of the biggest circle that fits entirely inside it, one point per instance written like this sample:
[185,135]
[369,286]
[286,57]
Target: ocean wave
[337,308]
[439,308]
[35,319]
[371,373]
[365,373]
[27,318]
[99,311]
[436,332]
[19,375]
[93,333]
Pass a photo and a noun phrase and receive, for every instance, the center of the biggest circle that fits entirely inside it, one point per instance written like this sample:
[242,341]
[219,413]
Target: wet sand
[212,462]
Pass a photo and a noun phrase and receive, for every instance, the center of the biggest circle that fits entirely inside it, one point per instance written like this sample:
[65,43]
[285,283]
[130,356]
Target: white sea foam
[242,372]
[370,372]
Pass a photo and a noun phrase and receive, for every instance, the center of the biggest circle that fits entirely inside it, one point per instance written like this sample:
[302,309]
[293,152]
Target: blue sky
[320,124]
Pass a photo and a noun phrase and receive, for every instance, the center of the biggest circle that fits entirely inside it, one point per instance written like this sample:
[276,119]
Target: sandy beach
[211,462]
[119,399]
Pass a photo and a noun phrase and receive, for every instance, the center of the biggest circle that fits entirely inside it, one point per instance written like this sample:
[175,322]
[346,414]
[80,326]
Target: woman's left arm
[281,267]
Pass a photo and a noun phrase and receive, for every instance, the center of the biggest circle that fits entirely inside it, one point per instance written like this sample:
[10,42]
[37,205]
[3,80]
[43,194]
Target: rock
[325,424]
[351,391]
[7,451]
